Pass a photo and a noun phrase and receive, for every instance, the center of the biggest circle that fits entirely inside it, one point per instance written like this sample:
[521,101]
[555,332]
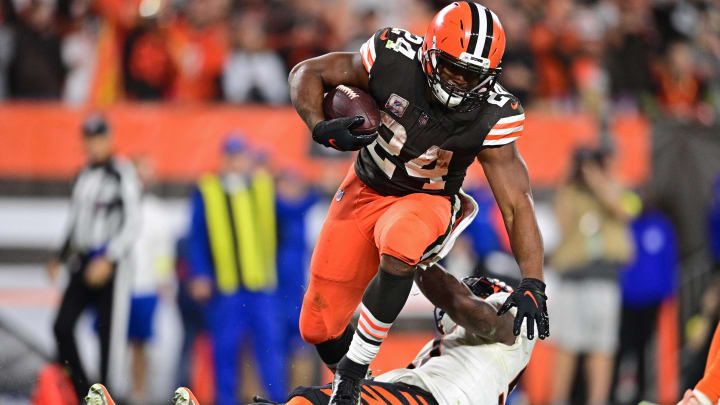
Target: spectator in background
[292,203]
[553,42]
[232,235]
[518,64]
[148,70]
[646,282]
[253,72]
[152,258]
[595,243]
[679,89]
[79,51]
[36,69]
[631,42]
[198,47]
[104,222]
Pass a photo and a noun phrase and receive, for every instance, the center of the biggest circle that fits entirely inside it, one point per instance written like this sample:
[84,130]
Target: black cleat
[346,390]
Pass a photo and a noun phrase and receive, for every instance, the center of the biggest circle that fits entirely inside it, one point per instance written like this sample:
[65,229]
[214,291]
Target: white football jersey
[462,368]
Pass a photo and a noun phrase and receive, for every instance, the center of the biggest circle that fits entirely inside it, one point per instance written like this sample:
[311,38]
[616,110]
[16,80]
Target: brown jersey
[424,147]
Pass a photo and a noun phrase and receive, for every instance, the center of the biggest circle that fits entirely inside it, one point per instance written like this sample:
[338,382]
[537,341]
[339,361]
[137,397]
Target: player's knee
[394,265]
[313,335]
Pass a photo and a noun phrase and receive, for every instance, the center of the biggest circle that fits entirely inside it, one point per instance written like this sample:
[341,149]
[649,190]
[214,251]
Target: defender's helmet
[464,40]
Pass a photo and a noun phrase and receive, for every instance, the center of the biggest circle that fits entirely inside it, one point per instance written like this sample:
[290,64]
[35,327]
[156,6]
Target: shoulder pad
[389,42]
[508,118]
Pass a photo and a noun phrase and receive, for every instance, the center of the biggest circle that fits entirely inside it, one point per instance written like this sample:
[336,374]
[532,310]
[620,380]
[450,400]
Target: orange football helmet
[461,54]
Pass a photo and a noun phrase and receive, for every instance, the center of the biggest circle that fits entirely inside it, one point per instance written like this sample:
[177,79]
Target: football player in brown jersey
[401,203]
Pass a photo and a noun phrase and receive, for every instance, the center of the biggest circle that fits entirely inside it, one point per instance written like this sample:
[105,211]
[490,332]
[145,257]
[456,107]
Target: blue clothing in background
[142,311]
[481,231]
[199,255]
[292,259]
[240,320]
[235,318]
[650,277]
[714,225]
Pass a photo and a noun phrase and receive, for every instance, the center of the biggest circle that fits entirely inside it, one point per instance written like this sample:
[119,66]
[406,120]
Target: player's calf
[381,304]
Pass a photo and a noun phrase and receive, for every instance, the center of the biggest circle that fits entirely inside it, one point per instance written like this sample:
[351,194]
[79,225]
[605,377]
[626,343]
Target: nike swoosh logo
[383,36]
[332,142]
[533,298]
[514,105]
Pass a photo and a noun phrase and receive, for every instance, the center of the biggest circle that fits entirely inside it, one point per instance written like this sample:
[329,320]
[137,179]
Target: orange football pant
[361,226]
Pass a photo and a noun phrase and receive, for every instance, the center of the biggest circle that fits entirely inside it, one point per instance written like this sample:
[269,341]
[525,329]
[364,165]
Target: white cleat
[183,396]
[98,395]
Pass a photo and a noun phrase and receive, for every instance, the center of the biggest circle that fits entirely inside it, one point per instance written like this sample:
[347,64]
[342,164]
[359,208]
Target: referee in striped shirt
[104,220]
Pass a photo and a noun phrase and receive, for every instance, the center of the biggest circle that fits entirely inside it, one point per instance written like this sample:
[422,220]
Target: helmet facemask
[474,83]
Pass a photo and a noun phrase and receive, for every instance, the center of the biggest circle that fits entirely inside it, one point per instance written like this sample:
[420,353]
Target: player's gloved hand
[530,301]
[335,133]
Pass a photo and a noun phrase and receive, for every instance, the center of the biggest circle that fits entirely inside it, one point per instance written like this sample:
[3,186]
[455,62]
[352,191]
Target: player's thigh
[345,250]
[411,224]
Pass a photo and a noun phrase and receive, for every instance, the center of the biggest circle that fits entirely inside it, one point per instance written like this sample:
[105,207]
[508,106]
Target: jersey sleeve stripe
[509,125]
[367,51]
[371,47]
[364,53]
[505,131]
[497,142]
[508,120]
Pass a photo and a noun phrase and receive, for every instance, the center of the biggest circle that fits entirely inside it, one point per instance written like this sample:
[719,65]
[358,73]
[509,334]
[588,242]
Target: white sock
[368,337]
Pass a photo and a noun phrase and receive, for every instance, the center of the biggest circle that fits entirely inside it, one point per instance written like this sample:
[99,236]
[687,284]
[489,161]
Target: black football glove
[530,301]
[335,133]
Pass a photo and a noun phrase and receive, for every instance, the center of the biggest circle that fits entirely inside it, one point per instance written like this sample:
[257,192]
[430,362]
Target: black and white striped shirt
[105,210]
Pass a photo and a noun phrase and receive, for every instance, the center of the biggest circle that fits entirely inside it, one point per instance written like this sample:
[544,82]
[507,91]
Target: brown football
[348,101]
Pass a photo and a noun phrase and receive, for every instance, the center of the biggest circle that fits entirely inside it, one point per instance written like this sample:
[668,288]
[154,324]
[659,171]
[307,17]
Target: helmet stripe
[488,34]
[474,29]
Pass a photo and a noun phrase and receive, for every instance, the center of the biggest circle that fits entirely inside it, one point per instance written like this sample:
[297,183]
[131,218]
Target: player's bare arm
[509,180]
[309,79]
[467,310]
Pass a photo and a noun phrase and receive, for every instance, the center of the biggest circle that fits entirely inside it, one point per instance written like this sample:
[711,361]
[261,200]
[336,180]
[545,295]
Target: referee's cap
[234,143]
[95,125]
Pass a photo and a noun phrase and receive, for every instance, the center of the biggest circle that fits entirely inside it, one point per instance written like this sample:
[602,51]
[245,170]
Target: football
[348,101]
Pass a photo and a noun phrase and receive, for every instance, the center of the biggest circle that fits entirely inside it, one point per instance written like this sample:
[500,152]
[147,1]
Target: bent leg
[402,234]
[344,261]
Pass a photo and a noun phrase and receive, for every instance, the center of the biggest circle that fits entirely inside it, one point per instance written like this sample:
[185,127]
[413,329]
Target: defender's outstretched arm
[472,313]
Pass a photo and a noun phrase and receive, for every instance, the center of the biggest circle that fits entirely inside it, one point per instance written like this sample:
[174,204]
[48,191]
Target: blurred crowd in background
[654,56]
[614,254]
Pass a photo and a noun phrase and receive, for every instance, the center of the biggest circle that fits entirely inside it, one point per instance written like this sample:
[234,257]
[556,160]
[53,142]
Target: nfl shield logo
[396,105]
[423,119]
[339,195]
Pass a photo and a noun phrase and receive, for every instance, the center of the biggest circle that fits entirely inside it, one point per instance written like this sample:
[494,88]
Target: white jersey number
[414,167]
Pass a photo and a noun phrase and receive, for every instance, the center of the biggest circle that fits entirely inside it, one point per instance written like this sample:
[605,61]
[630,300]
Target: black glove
[336,134]
[530,300]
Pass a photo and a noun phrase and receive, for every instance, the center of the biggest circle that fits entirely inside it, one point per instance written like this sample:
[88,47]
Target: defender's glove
[530,300]
[335,133]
